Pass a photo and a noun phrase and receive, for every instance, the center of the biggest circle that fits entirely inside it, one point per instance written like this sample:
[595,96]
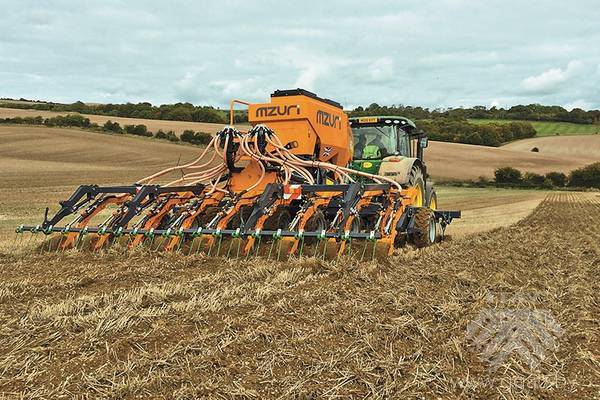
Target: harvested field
[585,147]
[456,161]
[487,208]
[114,326]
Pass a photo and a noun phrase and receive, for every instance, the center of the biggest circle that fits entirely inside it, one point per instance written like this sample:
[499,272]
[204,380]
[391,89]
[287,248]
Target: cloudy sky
[440,53]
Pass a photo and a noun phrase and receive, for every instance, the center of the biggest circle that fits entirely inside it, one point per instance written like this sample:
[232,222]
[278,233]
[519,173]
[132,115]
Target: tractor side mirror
[423,142]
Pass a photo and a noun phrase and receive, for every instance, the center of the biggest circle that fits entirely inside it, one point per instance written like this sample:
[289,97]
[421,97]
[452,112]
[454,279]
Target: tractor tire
[416,179]
[432,202]
[425,233]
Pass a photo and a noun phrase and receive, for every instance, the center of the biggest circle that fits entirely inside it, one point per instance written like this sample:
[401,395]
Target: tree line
[79,121]
[172,112]
[584,177]
[530,112]
[461,131]
[189,112]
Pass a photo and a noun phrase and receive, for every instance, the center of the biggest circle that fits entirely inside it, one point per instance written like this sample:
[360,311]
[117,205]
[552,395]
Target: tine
[279,250]
[78,241]
[271,249]
[229,250]
[258,245]
[20,241]
[212,243]
[239,247]
[362,257]
[374,248]
[219,245]
[43,245]
[29,241]
[199,244]
[60,239]
[301,246]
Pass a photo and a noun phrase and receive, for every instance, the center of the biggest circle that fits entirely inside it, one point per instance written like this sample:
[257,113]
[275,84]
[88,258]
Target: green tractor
[393,147]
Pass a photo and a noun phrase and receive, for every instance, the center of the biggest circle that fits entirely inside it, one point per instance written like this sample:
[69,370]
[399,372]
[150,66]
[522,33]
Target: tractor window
[403,143]
[374,142]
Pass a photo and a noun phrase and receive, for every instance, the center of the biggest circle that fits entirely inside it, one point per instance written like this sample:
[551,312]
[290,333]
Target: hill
[457,161]
[544,128]
[586,148]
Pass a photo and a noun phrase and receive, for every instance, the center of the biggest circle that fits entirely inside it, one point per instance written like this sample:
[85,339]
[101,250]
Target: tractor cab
[379,139]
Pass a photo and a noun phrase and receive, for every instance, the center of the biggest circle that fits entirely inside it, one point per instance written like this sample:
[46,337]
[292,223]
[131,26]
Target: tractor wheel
[415,179]
[425,228]
[432,202]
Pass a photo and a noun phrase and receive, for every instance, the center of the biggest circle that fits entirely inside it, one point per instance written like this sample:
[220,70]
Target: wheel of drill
[200,244]
[208,215]
[316,223]
[280,219]
[239,218]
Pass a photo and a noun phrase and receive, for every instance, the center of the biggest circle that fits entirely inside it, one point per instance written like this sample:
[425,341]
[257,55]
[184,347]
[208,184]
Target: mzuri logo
[273,111]
[324,118]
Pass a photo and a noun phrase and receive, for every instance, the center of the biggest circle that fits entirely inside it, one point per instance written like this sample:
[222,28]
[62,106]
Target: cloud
[308,77]
[381,69]
[584,105]
[429,53]
[550,80]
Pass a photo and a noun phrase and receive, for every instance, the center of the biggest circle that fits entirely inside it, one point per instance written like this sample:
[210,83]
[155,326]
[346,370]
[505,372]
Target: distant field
[584,148]
[549,128]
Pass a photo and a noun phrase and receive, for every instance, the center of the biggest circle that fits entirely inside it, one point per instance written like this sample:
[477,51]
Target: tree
[588,176]
[112,127]
[533,179]
[558,179]
[139,130]
[508,175]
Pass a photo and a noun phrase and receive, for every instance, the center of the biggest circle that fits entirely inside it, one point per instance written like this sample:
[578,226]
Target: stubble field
[167,326]
[456,320]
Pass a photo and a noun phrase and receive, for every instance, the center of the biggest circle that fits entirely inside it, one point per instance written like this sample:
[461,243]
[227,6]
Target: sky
[436,54]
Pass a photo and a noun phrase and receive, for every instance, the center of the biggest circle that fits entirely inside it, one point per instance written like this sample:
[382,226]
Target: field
[153,325]
[548,128]
[575,147]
